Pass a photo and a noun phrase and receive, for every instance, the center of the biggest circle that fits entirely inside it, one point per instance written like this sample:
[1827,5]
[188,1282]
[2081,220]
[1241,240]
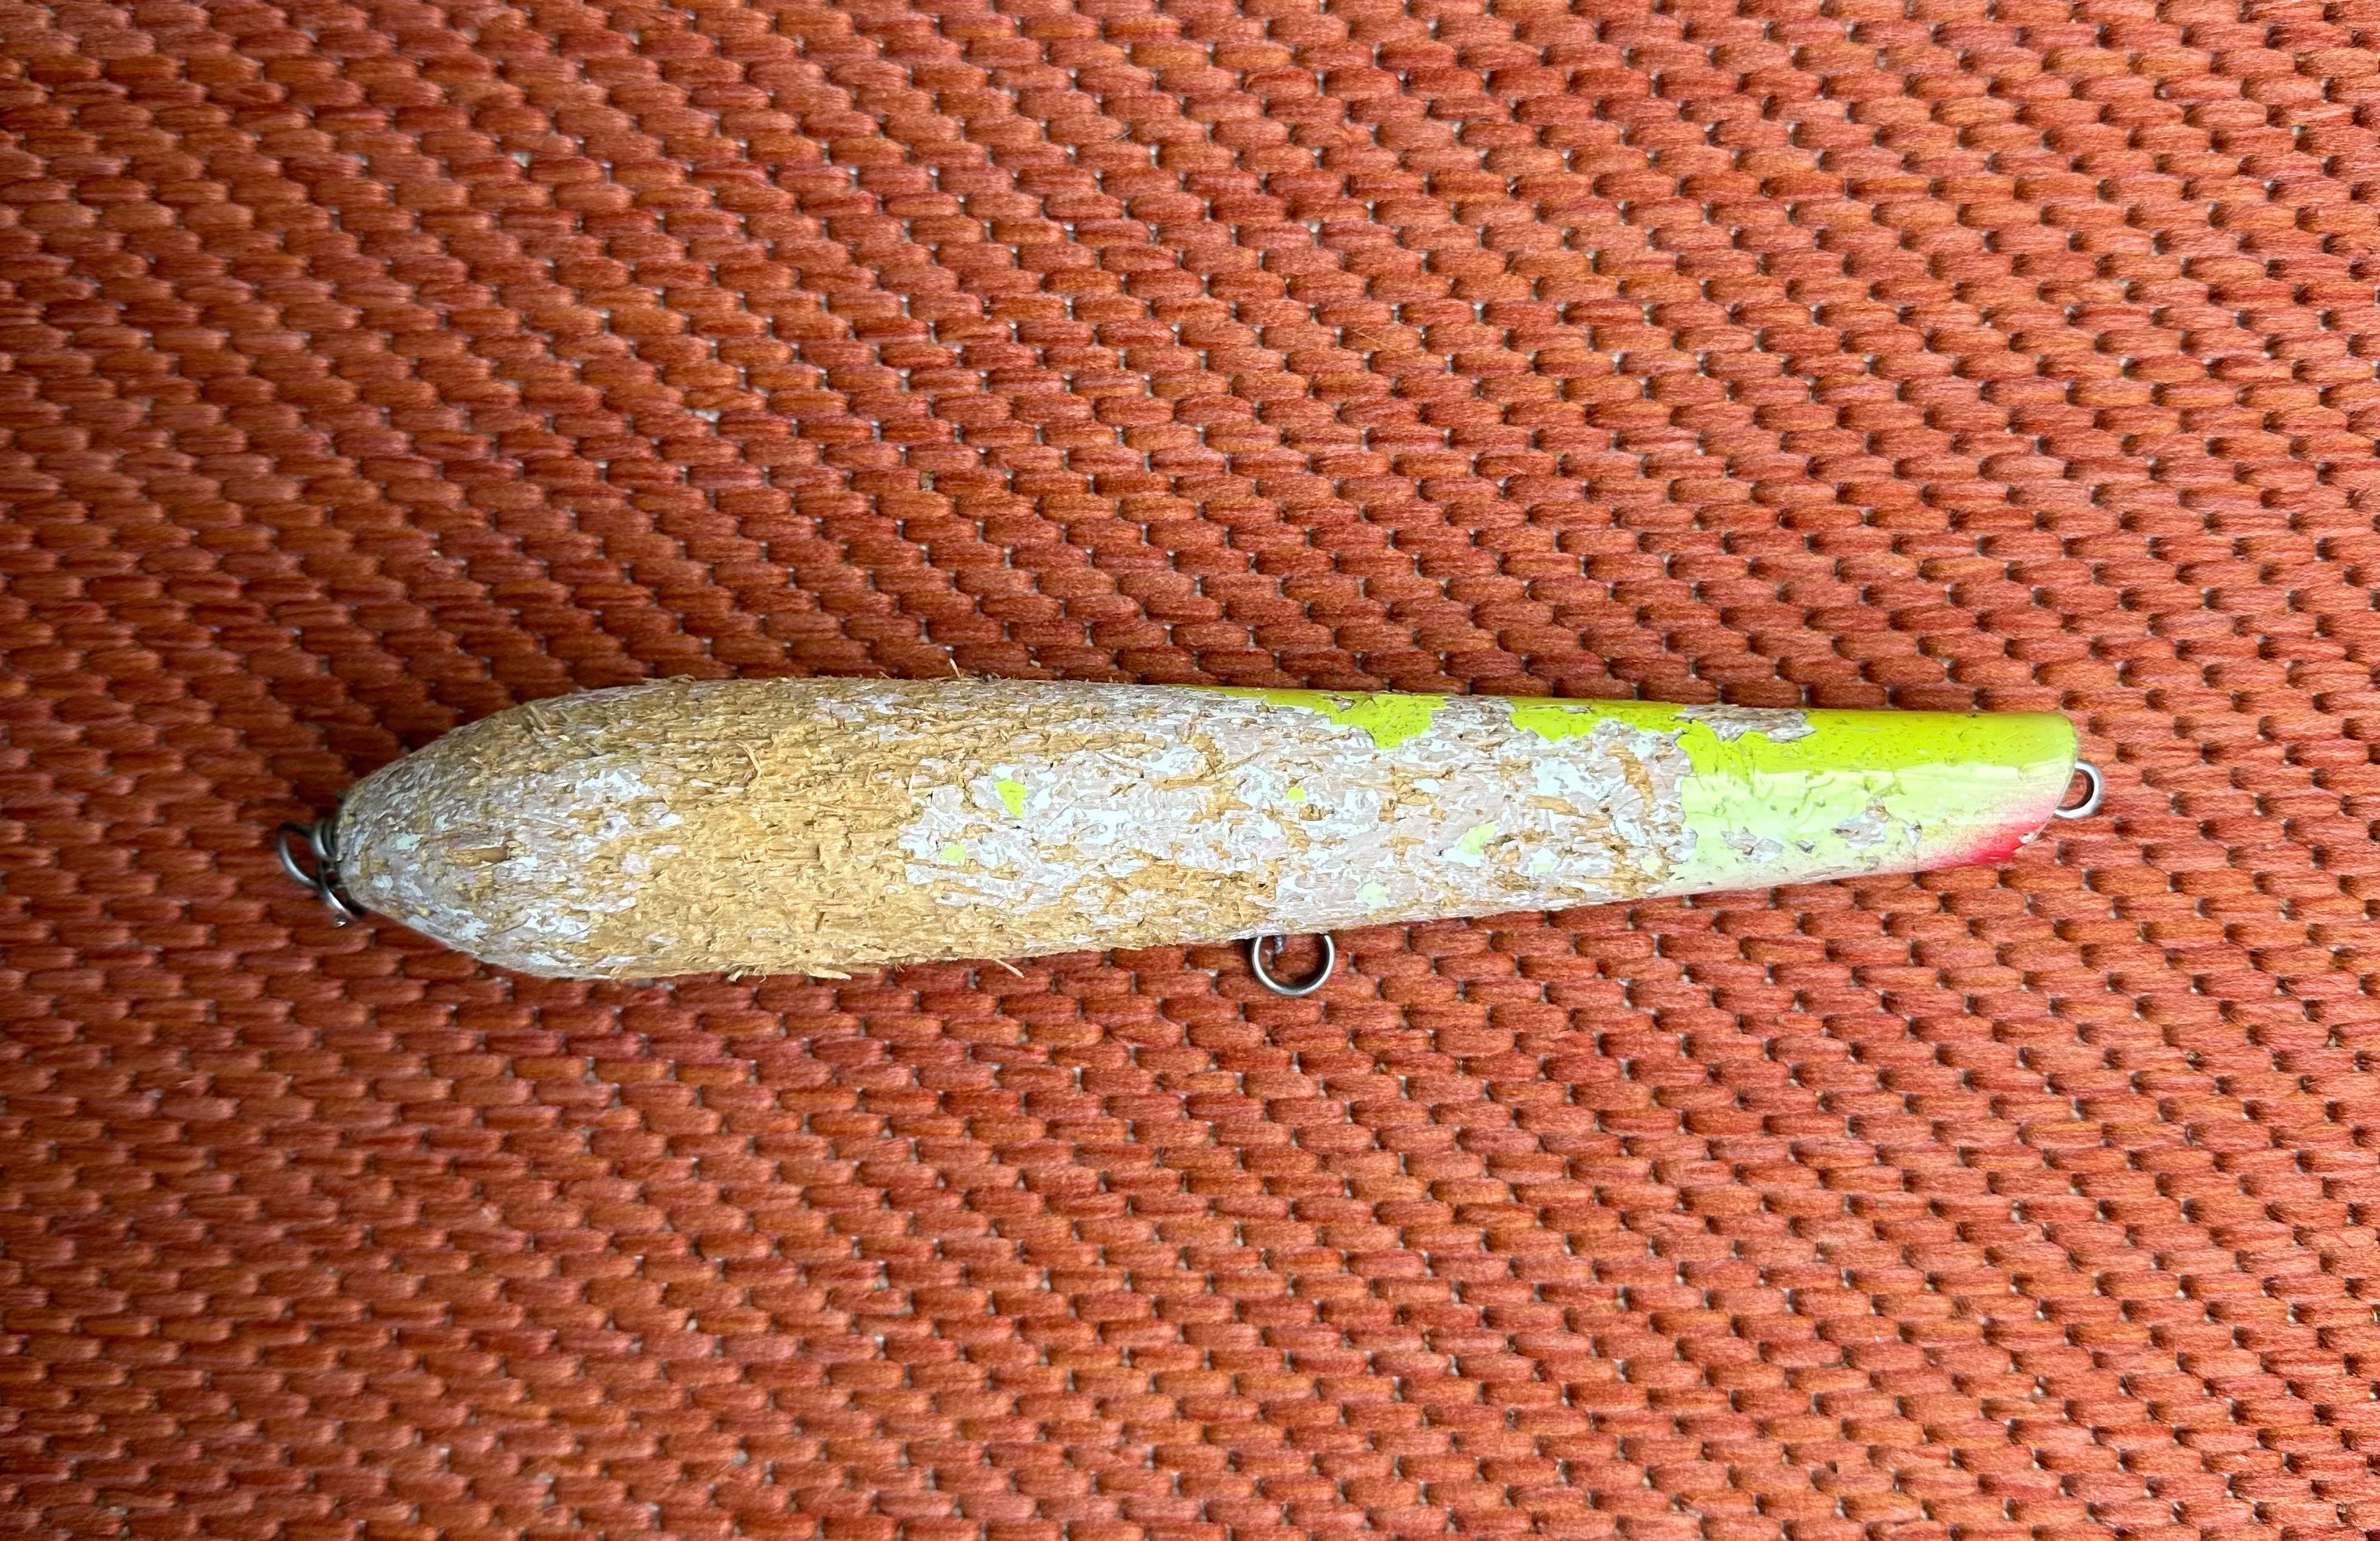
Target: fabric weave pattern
[367,368]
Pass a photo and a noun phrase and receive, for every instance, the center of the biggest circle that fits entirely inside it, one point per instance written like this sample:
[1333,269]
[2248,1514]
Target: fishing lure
[823,826]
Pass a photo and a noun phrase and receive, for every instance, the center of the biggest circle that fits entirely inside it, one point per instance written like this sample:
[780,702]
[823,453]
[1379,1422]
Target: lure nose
[319,869]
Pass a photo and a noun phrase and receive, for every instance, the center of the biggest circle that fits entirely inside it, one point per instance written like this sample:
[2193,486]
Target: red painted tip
[1996,844]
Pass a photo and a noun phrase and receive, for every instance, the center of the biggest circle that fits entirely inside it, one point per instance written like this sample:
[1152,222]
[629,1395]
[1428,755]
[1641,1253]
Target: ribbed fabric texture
[364,369]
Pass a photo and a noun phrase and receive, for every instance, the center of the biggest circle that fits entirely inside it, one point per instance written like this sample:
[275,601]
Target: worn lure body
[822,826]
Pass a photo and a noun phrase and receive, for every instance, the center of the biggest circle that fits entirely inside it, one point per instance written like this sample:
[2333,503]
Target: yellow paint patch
[953,852]
[1887,742]
[1389,719]
[1012,795]
[1295,795]
[1474,839]
[1859,741]
[1555,720]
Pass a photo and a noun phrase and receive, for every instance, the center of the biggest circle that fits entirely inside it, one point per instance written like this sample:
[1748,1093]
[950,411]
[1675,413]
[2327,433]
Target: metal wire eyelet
[1257,949]
[2090,803]
[317,839]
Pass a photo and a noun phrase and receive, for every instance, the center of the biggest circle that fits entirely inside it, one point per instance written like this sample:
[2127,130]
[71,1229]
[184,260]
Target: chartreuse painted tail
[1773,795]
[1780,797]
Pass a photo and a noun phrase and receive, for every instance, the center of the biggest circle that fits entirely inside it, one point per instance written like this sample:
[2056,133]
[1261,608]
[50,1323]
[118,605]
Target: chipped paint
[1754,846]
[1386,718]
[1469,849]
[1868,827]
[1189,796]
[1727,723]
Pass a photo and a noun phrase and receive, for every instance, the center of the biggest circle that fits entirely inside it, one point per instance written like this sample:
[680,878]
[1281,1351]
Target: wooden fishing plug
[823,826]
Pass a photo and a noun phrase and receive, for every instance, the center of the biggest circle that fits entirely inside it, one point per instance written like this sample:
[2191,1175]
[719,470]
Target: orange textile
[365,368]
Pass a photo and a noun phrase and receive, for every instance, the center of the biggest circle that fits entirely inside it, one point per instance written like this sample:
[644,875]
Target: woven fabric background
[369,366]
